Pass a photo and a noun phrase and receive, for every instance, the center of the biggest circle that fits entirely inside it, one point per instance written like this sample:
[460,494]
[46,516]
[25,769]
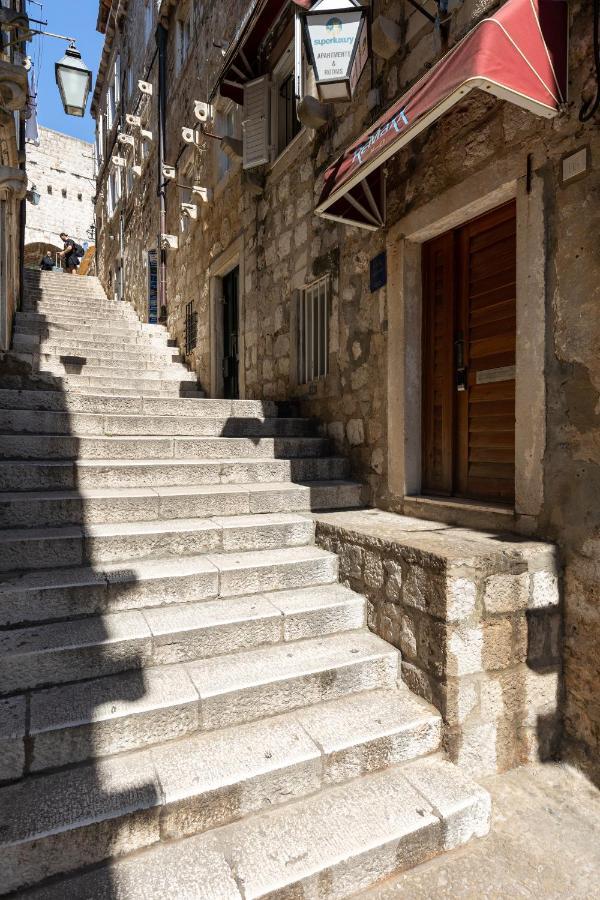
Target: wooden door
[230,335]
[469,339]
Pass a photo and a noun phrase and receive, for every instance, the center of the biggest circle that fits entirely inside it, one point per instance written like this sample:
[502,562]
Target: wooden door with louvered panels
[469,331]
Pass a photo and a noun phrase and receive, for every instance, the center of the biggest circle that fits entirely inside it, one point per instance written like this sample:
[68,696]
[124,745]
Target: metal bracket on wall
[422,10]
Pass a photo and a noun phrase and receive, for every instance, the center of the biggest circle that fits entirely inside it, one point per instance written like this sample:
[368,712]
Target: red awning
[519,55]
[239,65]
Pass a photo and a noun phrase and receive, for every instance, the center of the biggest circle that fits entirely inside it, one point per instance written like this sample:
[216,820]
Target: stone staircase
[192,705]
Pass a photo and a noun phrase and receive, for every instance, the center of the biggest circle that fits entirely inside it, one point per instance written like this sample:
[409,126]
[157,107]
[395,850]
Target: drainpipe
[161,41]
[22,218]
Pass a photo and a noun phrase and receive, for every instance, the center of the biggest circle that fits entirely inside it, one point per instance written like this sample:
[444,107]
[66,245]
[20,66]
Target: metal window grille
[191,327]
[313,332]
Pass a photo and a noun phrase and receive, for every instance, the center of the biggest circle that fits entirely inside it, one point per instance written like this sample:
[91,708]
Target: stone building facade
[189,230]
[61,170]
[13,182]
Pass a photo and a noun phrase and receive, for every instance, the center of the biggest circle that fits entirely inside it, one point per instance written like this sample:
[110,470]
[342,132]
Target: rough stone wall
[62,170]
[133,229]
[284,247]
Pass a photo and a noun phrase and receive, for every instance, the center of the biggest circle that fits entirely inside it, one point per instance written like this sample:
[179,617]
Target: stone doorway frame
[220,267]
[474,196]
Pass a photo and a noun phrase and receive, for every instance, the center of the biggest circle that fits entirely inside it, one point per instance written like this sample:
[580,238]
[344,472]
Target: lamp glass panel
[332,37]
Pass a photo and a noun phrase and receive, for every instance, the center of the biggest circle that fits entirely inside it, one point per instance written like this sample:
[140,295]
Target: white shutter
[117,80]
[257,95]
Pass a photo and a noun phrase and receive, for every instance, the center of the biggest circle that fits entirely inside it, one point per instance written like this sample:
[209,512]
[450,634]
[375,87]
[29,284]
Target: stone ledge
[477,618]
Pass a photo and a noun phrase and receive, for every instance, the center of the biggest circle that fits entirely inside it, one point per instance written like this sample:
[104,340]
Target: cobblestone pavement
[544,845]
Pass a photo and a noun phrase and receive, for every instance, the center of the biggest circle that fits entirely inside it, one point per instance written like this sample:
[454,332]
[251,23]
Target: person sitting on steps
[70,254]
[47,263]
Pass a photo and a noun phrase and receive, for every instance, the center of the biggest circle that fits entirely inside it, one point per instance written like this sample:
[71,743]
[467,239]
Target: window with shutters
[256,122]
[148,20]
[313,332]
[286,124]
[227,125]
[185,24]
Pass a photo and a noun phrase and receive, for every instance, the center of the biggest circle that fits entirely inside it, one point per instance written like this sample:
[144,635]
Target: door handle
[459,362]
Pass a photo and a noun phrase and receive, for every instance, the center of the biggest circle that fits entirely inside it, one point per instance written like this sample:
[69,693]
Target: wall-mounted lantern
[336,35]
[33,195]
[74,81]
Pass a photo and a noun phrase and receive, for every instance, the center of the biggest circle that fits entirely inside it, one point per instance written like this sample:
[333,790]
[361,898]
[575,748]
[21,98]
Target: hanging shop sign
[336,36]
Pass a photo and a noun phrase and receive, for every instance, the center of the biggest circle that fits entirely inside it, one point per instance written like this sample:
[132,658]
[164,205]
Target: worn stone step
[83,424]
[29,509]
[117,373]
[54,335]
[85,314]
[72,723]
[63,341]
[66,447]
[140,359]
[75,723]
[101,330]
[48,595]
[208,781]
[331,845]
[66,652]
[88,319]
[239,687]
[58,401]
[174,387]
[44,474]
[42,548]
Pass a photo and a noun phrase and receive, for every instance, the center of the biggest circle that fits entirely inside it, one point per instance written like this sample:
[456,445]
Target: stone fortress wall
[61,169]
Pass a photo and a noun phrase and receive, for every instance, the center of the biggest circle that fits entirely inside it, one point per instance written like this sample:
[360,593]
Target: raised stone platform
[476,616]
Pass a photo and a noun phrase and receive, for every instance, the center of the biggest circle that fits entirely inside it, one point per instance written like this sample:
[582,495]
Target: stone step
[84,424]
[157,390]
[75,722]
[86,313]
[93,647]
[44,474]
[333,844]
[88,318]
[66,341]
[141,359]
[48,447]
[38,597]
[102,330]
[117,374]
[174,387]
[60,822]
[44,548]
[34,509]
[59,401]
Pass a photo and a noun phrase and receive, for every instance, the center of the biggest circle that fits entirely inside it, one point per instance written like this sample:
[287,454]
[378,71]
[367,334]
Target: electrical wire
[590,107]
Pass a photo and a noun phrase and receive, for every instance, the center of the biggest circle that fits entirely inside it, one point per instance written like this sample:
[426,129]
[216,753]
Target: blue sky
[75,18]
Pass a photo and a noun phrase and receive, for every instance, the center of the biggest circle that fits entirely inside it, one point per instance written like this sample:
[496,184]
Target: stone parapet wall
[477,619]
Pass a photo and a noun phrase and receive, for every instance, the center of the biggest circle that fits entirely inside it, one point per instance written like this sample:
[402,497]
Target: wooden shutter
[255,124]
[487,314]
[117,77]
[438,372]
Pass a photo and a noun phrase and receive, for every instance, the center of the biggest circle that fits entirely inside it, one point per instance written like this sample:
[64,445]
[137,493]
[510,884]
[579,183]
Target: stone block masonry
[477,620]
[62,170]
